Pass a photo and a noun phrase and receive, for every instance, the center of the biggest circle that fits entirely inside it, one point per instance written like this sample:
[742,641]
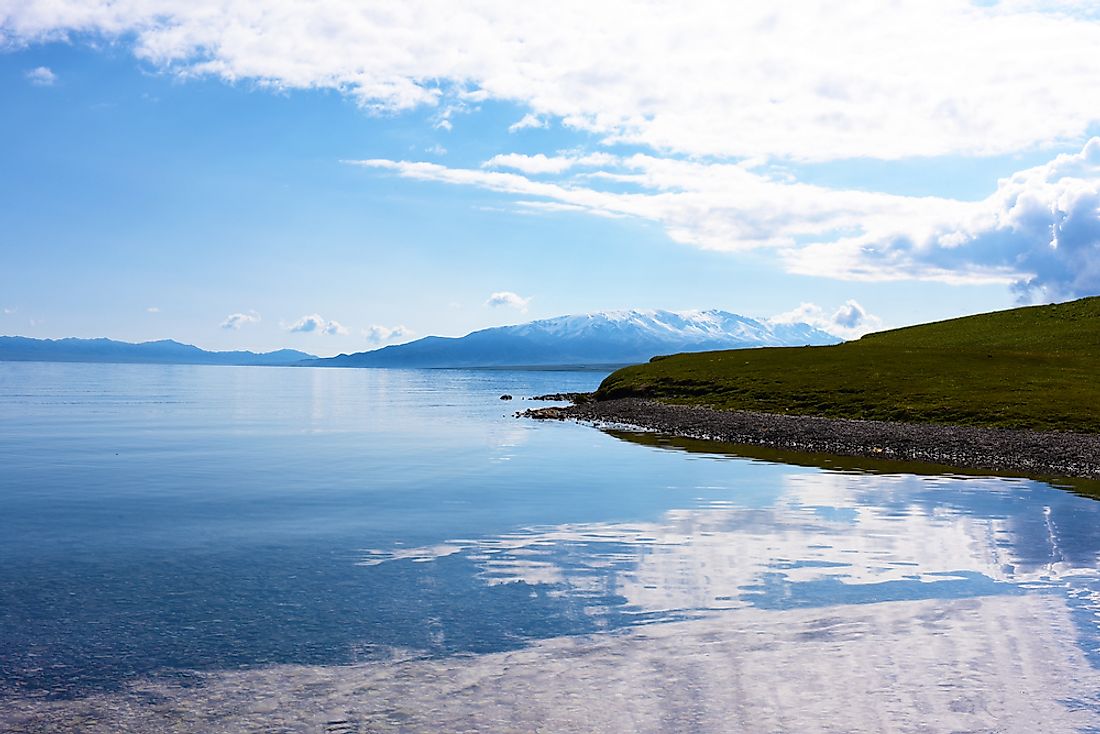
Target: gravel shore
[1032,453]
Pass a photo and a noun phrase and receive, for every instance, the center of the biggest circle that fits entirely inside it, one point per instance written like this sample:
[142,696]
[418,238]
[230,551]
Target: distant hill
[166,351]
[1036,367]
[606,338]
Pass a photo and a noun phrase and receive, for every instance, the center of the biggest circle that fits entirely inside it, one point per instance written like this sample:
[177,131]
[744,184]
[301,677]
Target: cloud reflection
[820,528]
[825,601]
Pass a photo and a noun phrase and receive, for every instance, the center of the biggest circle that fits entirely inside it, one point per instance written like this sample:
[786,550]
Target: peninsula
[1014,390]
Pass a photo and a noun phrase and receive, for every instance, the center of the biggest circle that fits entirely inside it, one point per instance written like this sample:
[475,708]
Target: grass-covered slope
[1035,367]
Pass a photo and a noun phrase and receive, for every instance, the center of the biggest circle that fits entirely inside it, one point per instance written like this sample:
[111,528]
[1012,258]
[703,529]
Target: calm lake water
[265,549]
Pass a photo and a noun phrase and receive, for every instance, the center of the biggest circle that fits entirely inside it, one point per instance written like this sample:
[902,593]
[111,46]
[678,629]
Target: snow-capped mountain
[604,338]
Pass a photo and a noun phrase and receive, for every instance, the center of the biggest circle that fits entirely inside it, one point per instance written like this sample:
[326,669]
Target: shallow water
[266,549]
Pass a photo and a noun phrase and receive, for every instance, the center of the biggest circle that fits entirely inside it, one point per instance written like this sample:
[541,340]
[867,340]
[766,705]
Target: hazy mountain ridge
[164,351]
[603,338]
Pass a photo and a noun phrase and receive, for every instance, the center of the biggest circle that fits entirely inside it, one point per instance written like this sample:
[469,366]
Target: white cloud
[1039,231]
[378,334]
[1046,222]
[541,163]
[554,207]
[436,150]
[41,76]
[530,164]
[308,324]
[9,311]
[315,323]
[153,309]
[509,300]
[850,315]
[805,79]
[713,206]
[334,328]
[720,95]
[528,121]
[236,320]
[849,321]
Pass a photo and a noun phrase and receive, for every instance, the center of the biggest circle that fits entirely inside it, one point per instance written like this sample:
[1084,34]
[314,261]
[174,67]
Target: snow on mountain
[604,338]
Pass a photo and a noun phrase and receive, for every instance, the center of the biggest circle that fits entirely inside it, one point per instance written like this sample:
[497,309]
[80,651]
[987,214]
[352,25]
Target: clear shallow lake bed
[276,549]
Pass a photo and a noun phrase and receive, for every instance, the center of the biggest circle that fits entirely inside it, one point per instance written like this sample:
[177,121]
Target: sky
[337,175]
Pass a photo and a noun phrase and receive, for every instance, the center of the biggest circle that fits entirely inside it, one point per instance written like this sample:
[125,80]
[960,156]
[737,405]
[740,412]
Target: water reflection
[865,601]
[984,664]
[857,464]
[819,539]
[666,586]
[834,601]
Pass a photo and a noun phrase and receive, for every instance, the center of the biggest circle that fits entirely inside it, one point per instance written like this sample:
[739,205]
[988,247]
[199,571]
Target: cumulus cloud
[508,299]
[334,328]
[378,334]
[801,80]
[850,315]
[41,76]
[1046,222]
[236,320]
[315,323]
[527,121]
[849,321]
[1040,231]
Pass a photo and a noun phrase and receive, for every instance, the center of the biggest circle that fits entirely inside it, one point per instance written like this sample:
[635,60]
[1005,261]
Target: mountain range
[609,338]
[604,338]
[165,351]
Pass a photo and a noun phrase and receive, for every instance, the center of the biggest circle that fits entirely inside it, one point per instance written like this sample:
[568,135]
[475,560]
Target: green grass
[1036,367]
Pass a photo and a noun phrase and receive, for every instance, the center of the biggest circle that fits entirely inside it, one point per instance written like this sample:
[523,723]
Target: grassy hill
[1035,367]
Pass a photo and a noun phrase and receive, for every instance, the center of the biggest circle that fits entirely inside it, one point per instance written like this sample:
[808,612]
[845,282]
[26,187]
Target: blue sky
[342,179]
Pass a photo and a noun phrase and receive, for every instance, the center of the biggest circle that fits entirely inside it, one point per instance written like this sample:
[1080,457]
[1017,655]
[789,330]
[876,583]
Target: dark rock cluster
[571,397]
[1033,453]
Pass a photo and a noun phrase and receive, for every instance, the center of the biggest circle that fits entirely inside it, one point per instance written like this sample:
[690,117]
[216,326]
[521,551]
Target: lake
[277,549]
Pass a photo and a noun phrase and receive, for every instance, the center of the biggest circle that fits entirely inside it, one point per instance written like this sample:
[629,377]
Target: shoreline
[1053,454]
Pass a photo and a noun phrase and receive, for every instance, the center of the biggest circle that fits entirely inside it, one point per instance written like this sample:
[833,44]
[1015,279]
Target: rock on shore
[1033,453]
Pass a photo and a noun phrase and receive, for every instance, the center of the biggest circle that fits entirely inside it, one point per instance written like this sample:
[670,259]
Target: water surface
[269,549]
